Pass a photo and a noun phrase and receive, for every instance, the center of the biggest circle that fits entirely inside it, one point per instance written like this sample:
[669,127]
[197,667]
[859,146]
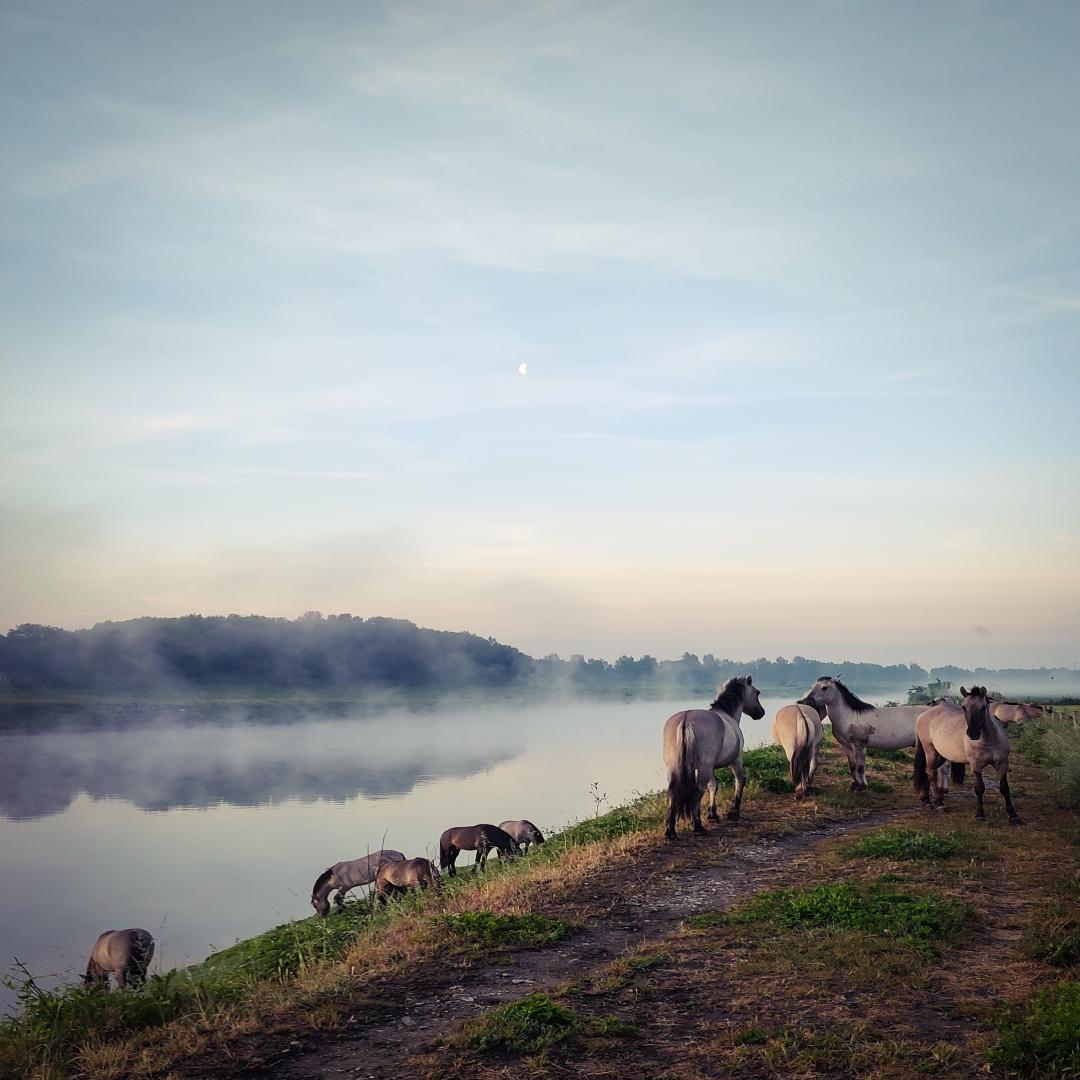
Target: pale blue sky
[798,286]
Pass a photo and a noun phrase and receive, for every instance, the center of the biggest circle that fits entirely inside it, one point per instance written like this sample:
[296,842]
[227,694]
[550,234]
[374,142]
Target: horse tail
[444,854]
[802,753]
[682,784]
[957,772]
[922,777]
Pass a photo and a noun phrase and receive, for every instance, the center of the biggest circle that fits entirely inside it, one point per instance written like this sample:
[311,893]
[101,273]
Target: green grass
[535,1024]
[1055,939]
[766,768]
[920,918]
[903,844]
[485,930]
[1041,1036]
[904,756]
[529,1026]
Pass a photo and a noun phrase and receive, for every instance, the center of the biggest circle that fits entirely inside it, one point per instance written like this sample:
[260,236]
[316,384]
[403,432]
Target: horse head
[976,711]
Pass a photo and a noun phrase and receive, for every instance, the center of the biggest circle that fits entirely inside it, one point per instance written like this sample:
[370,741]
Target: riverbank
[636,948]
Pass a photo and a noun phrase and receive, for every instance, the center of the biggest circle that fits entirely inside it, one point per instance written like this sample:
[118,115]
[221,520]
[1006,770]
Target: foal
[964,734]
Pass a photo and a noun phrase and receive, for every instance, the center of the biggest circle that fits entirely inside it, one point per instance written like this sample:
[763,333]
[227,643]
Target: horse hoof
[1015,821]
[670,835]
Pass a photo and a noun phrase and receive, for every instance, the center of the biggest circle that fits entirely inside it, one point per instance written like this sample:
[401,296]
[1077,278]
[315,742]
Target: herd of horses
[947,735]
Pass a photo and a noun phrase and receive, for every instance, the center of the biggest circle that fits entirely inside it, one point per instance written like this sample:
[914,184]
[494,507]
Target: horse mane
[730,696]
[855,704]
[323,877]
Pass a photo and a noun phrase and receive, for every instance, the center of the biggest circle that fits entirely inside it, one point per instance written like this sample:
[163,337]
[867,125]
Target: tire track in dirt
[375,1046]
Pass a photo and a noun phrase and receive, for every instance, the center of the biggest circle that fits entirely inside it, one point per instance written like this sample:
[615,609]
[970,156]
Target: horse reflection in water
[344,876]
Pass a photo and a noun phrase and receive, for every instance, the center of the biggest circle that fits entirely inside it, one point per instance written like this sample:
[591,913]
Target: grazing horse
[399,876]
[797,728]
[1013,712]
[478,838]
[699,741]
[856,724]
[126,954]
[523,833]
[965,734]
[344,876]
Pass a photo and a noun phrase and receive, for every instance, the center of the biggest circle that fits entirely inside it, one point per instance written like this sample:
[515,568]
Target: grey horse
[124,954]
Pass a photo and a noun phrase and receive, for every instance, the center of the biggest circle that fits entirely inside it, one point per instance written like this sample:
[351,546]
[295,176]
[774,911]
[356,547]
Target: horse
[968,734]
[523,833]
[125,954]
[478,838]
[400,875]
[797,728]
[699,741]
[856,724]
[1013,712]
[344,876]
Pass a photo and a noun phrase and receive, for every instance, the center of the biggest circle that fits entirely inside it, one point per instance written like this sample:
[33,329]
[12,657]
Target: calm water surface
[205,832]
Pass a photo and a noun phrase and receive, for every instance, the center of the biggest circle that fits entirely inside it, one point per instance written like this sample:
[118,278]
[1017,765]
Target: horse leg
[980,787]
[739,773]
[933,769]
[1006,794]
[669,819]
[711,788]
[339,898]
[853,765]
[695,814]
[860,767]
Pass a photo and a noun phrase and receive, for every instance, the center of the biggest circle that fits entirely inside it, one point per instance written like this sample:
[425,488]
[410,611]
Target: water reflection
[165,766]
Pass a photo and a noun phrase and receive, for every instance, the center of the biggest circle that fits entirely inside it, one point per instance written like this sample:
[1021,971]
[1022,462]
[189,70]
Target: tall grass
[1053,742]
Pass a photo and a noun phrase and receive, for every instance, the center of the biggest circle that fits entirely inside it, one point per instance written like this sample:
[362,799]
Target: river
[205,829]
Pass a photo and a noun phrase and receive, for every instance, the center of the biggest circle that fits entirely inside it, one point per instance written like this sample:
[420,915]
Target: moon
[523,368]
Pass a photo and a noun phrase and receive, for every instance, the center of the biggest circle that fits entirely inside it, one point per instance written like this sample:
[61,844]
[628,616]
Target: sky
[797,285]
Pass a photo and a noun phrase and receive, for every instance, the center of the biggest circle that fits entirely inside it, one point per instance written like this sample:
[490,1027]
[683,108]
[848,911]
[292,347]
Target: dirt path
[701,874]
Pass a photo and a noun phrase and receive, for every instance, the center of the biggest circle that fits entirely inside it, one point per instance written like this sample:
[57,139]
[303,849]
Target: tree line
[346,652]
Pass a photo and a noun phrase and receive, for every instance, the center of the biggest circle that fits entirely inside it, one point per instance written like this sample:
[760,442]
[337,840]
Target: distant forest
[316,653]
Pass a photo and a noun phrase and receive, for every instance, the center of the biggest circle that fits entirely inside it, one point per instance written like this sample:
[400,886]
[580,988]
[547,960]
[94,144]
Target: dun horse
[797,728]
[699,741]
[344,876]
[125,954]
[479,838]
[398,877]
[856,724]
[965,734]
[523,833]
[1013,712]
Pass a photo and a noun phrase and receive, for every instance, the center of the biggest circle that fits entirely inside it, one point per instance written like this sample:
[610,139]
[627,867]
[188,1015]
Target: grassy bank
[875,916]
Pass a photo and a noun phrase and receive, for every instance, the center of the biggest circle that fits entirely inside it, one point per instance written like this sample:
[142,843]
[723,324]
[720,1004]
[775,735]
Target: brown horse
[398,877]
[125,954]
[479,838]
[965,734]
[797,728]
[523,833]
[351,874]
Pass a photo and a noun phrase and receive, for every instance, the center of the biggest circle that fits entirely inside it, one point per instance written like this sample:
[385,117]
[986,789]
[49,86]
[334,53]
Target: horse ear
[749,680]
[963,692]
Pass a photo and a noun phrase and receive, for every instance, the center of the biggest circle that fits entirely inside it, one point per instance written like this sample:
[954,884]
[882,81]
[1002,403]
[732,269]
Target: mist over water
[206,832]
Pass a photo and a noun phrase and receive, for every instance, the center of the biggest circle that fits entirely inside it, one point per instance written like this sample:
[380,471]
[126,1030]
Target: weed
[903,844]
[485,930]
[920,918]
[528,1026]
[1041,1036]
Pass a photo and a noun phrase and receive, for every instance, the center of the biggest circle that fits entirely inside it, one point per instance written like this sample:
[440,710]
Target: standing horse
[399,876]
[523,832]
[965,734]
[1013,712]
[797,728]
[856,724]
[699,741]
[344,876]
[478,838]
[126,954]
